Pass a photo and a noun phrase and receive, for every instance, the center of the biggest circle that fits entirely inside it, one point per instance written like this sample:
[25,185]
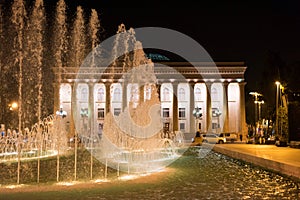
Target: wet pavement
[285,160]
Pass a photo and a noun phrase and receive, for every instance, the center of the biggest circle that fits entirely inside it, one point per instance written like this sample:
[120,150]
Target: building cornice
[176,70]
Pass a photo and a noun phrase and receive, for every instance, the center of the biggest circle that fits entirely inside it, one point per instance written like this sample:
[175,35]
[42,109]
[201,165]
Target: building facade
[215,89]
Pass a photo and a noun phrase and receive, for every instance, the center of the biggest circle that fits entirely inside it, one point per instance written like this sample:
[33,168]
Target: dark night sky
[228,30]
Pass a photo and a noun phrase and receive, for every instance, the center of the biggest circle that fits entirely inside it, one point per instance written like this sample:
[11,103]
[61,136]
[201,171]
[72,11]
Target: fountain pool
[190,177]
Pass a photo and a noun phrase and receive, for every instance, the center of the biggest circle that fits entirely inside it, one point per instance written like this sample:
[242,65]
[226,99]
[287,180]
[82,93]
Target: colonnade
[222,104]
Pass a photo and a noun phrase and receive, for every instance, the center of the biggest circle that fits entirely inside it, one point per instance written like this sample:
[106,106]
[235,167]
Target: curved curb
[279,167]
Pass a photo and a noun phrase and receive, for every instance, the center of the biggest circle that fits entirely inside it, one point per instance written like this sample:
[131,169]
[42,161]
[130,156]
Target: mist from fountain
[18,21]
[134,141]
[60,38]
[48,137]
[35,50]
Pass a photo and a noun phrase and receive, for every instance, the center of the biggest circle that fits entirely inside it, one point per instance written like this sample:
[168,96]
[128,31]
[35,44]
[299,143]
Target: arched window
[166,94]
[214,94]
[134,93]
[65,93]
[84,94]
[181,94]
[147,92]
[100,94]
[197,94]
[117,94]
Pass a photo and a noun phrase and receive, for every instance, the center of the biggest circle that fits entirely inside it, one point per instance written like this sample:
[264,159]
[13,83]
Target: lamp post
[277,96]
[218,113]
[61,114]
[12,107]
[255,94]
[259,108]
[197,113]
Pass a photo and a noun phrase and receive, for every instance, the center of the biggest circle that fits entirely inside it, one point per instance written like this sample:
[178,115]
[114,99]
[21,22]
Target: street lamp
[61,114]
[277,96]
[13,106]
[197,113]
[256,95]
[218,113]
[259,108]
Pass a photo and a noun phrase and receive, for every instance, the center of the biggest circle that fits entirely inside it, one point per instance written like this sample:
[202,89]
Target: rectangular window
[100,113]
[182,126]
[117,111]
[166,112]
[181,113]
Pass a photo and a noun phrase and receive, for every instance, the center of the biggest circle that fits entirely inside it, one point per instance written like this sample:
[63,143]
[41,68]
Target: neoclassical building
[216,89]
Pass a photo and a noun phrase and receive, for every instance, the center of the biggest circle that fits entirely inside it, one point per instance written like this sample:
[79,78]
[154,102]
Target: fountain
[25,152]
[135,145]
[45,139]
[134,140]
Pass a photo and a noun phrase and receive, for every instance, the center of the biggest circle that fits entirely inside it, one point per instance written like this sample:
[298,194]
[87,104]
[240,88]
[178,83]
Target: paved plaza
[285,160]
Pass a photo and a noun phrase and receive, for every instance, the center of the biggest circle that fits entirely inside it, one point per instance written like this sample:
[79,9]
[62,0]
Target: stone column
[124,94]
[208,107]
[91,108]
[225,107]
[242,122]
[141,93]
[192,107]
[175,107]
[158,86]
[107,97]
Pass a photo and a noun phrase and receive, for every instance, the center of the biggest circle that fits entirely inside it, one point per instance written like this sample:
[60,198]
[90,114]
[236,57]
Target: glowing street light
[256,95]
[13,106]
[61,112]
[259,108]
[197,112]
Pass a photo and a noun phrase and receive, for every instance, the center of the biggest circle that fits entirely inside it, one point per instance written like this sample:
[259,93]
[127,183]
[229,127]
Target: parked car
[213,138]
[232,137]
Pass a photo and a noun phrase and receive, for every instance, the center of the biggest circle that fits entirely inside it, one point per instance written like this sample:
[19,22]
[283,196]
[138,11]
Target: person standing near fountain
[198,139]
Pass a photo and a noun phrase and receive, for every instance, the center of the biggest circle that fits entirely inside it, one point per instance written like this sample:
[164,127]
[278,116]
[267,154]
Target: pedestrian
[241,137]
[198,139]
